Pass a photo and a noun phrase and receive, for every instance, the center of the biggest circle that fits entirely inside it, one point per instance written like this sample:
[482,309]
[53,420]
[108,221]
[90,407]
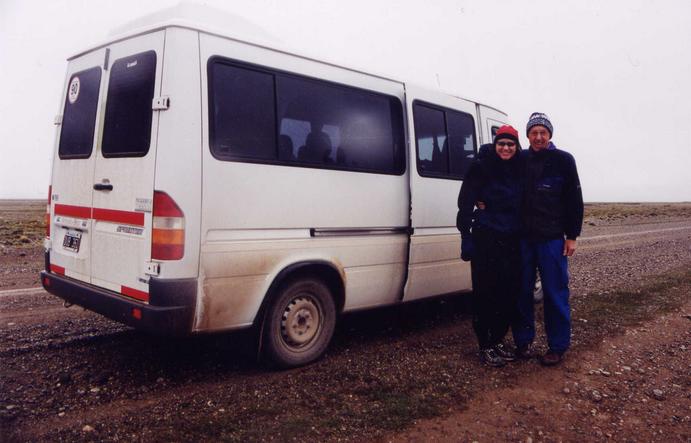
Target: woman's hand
[467,248]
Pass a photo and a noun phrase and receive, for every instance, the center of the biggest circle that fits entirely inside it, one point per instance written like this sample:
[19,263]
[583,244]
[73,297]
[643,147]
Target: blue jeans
[547,257]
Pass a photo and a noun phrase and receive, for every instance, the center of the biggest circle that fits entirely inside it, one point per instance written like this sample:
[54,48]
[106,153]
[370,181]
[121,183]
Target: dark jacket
[496,183]
[552,200]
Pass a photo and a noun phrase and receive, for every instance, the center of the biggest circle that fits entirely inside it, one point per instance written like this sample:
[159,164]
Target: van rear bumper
[170,310]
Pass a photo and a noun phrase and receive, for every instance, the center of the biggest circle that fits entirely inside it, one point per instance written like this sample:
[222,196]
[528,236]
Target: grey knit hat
[539,119]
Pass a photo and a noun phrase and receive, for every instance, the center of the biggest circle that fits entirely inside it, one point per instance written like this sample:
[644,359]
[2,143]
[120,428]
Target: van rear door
[102,185]
[123,178]
[73,167]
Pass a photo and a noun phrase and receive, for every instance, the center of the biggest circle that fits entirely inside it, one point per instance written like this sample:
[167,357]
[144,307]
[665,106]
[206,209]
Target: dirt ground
[408,373]
[631,387]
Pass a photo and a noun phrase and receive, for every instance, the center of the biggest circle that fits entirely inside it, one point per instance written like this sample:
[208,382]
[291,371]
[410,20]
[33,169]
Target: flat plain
[407,373]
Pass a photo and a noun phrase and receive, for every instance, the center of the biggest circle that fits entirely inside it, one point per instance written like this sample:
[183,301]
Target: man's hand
[569,247]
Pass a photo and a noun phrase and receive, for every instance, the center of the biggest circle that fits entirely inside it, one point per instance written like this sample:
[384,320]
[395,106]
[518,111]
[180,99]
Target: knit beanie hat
[539,119]
[507,131]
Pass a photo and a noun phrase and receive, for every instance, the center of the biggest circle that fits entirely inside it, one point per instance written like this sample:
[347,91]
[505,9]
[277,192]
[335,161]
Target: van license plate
[72,240]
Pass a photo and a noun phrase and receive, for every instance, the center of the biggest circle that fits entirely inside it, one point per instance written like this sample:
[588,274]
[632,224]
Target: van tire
[299,323]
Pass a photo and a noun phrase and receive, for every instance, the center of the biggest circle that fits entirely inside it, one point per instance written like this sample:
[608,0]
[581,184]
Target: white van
[203,183]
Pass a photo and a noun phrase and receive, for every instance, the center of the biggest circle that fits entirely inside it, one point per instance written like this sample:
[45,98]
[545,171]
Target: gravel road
[71,375]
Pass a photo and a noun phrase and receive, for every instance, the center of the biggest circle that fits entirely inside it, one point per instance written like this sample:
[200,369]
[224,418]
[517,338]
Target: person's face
[539,137]
[506,148]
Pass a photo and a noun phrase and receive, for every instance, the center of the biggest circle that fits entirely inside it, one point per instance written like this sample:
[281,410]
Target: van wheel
[299,323]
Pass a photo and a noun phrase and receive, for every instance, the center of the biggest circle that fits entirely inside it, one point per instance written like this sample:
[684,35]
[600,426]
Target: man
[552,215]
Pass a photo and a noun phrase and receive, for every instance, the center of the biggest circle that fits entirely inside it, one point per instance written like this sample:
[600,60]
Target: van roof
[190,16]
[199,17]
[223,24]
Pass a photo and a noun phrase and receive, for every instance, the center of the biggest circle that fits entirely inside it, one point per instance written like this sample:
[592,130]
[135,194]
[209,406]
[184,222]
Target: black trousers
[496,274]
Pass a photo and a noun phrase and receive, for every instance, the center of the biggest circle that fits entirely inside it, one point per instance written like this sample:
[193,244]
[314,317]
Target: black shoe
[525,352]
[551,358]
[504,352]
[490,358]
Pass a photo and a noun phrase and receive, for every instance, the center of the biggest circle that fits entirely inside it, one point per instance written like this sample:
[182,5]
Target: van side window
[346,128]
[127,127]
[79,114]
[430,130]
[462,142]
[258,115]
[245,120]
[445,141]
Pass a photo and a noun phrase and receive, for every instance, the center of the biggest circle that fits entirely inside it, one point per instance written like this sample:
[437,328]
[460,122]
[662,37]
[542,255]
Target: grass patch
[611,312]
[623,210]
[295,427]
[22,234]
[392,409]
[22,223]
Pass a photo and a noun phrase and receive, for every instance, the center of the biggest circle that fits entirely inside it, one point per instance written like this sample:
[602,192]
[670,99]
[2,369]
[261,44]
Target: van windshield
[79,115]
[127,127]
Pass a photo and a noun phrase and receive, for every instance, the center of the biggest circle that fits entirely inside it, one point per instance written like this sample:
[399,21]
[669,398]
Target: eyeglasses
[507,144]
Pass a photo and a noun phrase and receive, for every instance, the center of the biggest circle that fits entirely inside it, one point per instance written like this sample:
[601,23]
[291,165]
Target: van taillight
[47,216]
[168,233]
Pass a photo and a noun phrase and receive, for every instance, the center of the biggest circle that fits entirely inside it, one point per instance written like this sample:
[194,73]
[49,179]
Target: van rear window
[79,114]
[127,127]
[264,116]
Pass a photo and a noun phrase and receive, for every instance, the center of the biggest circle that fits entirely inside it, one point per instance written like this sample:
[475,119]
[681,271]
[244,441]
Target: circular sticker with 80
[73,91]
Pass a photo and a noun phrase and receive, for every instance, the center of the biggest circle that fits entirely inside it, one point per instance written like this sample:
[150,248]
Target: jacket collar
[550,147]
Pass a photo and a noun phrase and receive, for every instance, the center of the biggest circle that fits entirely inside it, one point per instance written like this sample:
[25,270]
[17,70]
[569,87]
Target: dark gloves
[467,248]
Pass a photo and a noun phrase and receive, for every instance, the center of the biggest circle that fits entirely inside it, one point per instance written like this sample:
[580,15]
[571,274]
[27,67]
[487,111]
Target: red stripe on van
[57,269]
[134,293]
[115,216]
[73,211]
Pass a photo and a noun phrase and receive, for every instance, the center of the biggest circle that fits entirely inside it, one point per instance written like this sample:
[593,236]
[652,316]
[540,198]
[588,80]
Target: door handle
[103,187]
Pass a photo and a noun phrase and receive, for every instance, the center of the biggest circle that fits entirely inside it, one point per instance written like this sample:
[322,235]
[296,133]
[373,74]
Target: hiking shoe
[551,358]
[504,352]
[525,352]
[490,358]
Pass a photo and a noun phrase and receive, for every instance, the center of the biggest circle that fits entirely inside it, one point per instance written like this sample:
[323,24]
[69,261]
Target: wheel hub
[300,321]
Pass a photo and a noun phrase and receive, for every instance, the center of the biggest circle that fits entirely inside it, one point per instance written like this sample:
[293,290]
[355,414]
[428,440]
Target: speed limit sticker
[73,92]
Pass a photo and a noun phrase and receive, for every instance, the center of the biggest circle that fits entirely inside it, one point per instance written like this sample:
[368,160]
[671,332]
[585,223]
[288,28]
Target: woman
[489,221]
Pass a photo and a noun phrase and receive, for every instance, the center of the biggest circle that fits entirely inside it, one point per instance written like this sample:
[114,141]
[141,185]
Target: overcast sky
[614,76]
